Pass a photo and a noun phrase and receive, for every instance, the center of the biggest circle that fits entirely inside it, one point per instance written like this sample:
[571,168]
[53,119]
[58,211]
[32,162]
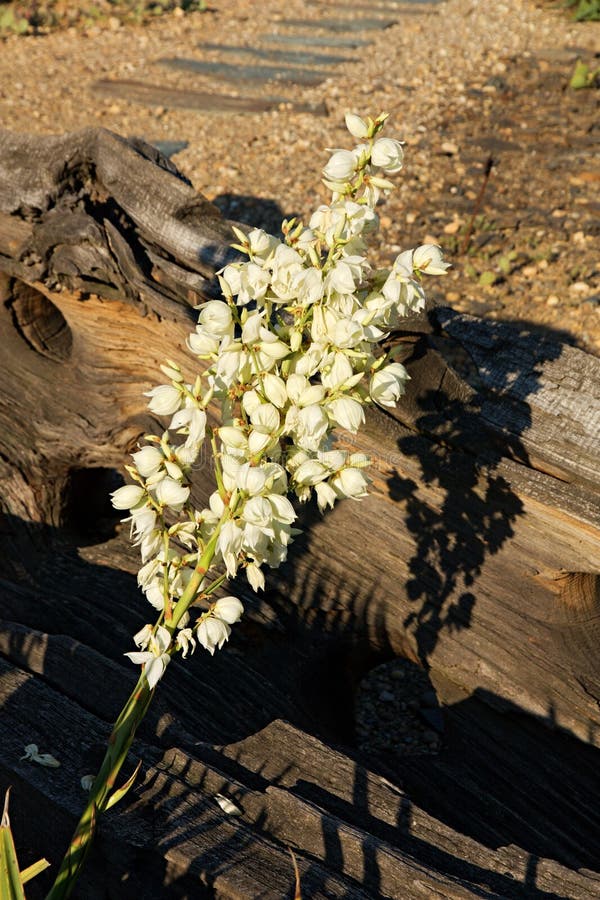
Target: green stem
[119,743]
[121,739]
[202,567]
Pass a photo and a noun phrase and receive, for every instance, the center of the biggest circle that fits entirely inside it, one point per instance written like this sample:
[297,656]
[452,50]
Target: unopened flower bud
[357,127]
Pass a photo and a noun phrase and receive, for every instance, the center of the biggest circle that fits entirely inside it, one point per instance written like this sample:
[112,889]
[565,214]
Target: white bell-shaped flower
[350,483]
[347,413]
[271,347]
[255,577]
[274,388]
[229,544]
[251,479]
[230,280]
[142,638]
[286,263]
[202,344]
[192,421]
[258,442]
[251,329]
[212,633]
[155,594]
[326,496]
[388,155]
[311,472]
[148,572]
[258,511]
[308,286]
[334,459]
[337,371]
[254,284]
[311,427]
[308,362]
[340,279]
[261,243]
[216,318]
[128,496]
[148,460]
[428,258]
[143,521]
[341,166]
[233,437]
[156,658]
[185,641]
[387,384]
[282,509]
[229,609]
[250,401]
[265,418]
[164,399]
[171,493]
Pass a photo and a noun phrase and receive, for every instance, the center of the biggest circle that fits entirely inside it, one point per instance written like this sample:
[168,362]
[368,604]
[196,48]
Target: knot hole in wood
[87,512]
[39,322]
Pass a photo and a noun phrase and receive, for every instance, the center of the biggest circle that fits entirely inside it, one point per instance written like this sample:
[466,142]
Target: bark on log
[477,555]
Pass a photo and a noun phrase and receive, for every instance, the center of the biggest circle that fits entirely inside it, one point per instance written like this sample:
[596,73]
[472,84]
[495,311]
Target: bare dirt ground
[468,85]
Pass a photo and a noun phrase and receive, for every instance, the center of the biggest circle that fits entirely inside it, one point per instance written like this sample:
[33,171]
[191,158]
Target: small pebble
[449,148]
[386,696]
[453,227]
[578,287]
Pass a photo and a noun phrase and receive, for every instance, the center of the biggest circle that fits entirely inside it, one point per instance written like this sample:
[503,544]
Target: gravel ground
[464,82]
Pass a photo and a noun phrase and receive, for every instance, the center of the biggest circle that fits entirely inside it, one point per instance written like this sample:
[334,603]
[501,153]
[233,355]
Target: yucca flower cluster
[289,354]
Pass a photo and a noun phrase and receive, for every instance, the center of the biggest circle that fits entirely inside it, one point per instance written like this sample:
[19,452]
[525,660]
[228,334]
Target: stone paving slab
[297,57]
[341,25]
[315,40]
[199,101]
[344,9]
[389,6]
[409,7]
[229,72]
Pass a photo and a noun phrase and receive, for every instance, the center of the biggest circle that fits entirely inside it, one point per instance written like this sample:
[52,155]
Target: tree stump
[476,556]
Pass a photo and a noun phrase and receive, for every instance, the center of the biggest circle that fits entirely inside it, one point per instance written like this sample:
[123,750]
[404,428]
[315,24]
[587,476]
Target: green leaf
[120,792]
[11,885]
[580,76]
[33,870]
[487,278]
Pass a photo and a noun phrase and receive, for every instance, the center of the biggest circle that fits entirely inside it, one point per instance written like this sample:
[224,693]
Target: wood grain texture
[476,554]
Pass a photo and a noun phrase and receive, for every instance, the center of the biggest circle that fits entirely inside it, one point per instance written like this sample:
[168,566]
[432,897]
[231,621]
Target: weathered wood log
[477,554]
[354,832]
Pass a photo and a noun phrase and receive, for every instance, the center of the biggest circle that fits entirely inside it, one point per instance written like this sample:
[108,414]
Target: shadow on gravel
[258,212]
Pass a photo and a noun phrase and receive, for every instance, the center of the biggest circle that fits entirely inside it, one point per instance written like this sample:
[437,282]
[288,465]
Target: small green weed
[11,23]
[20,17]
[583,76]
[584,10]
